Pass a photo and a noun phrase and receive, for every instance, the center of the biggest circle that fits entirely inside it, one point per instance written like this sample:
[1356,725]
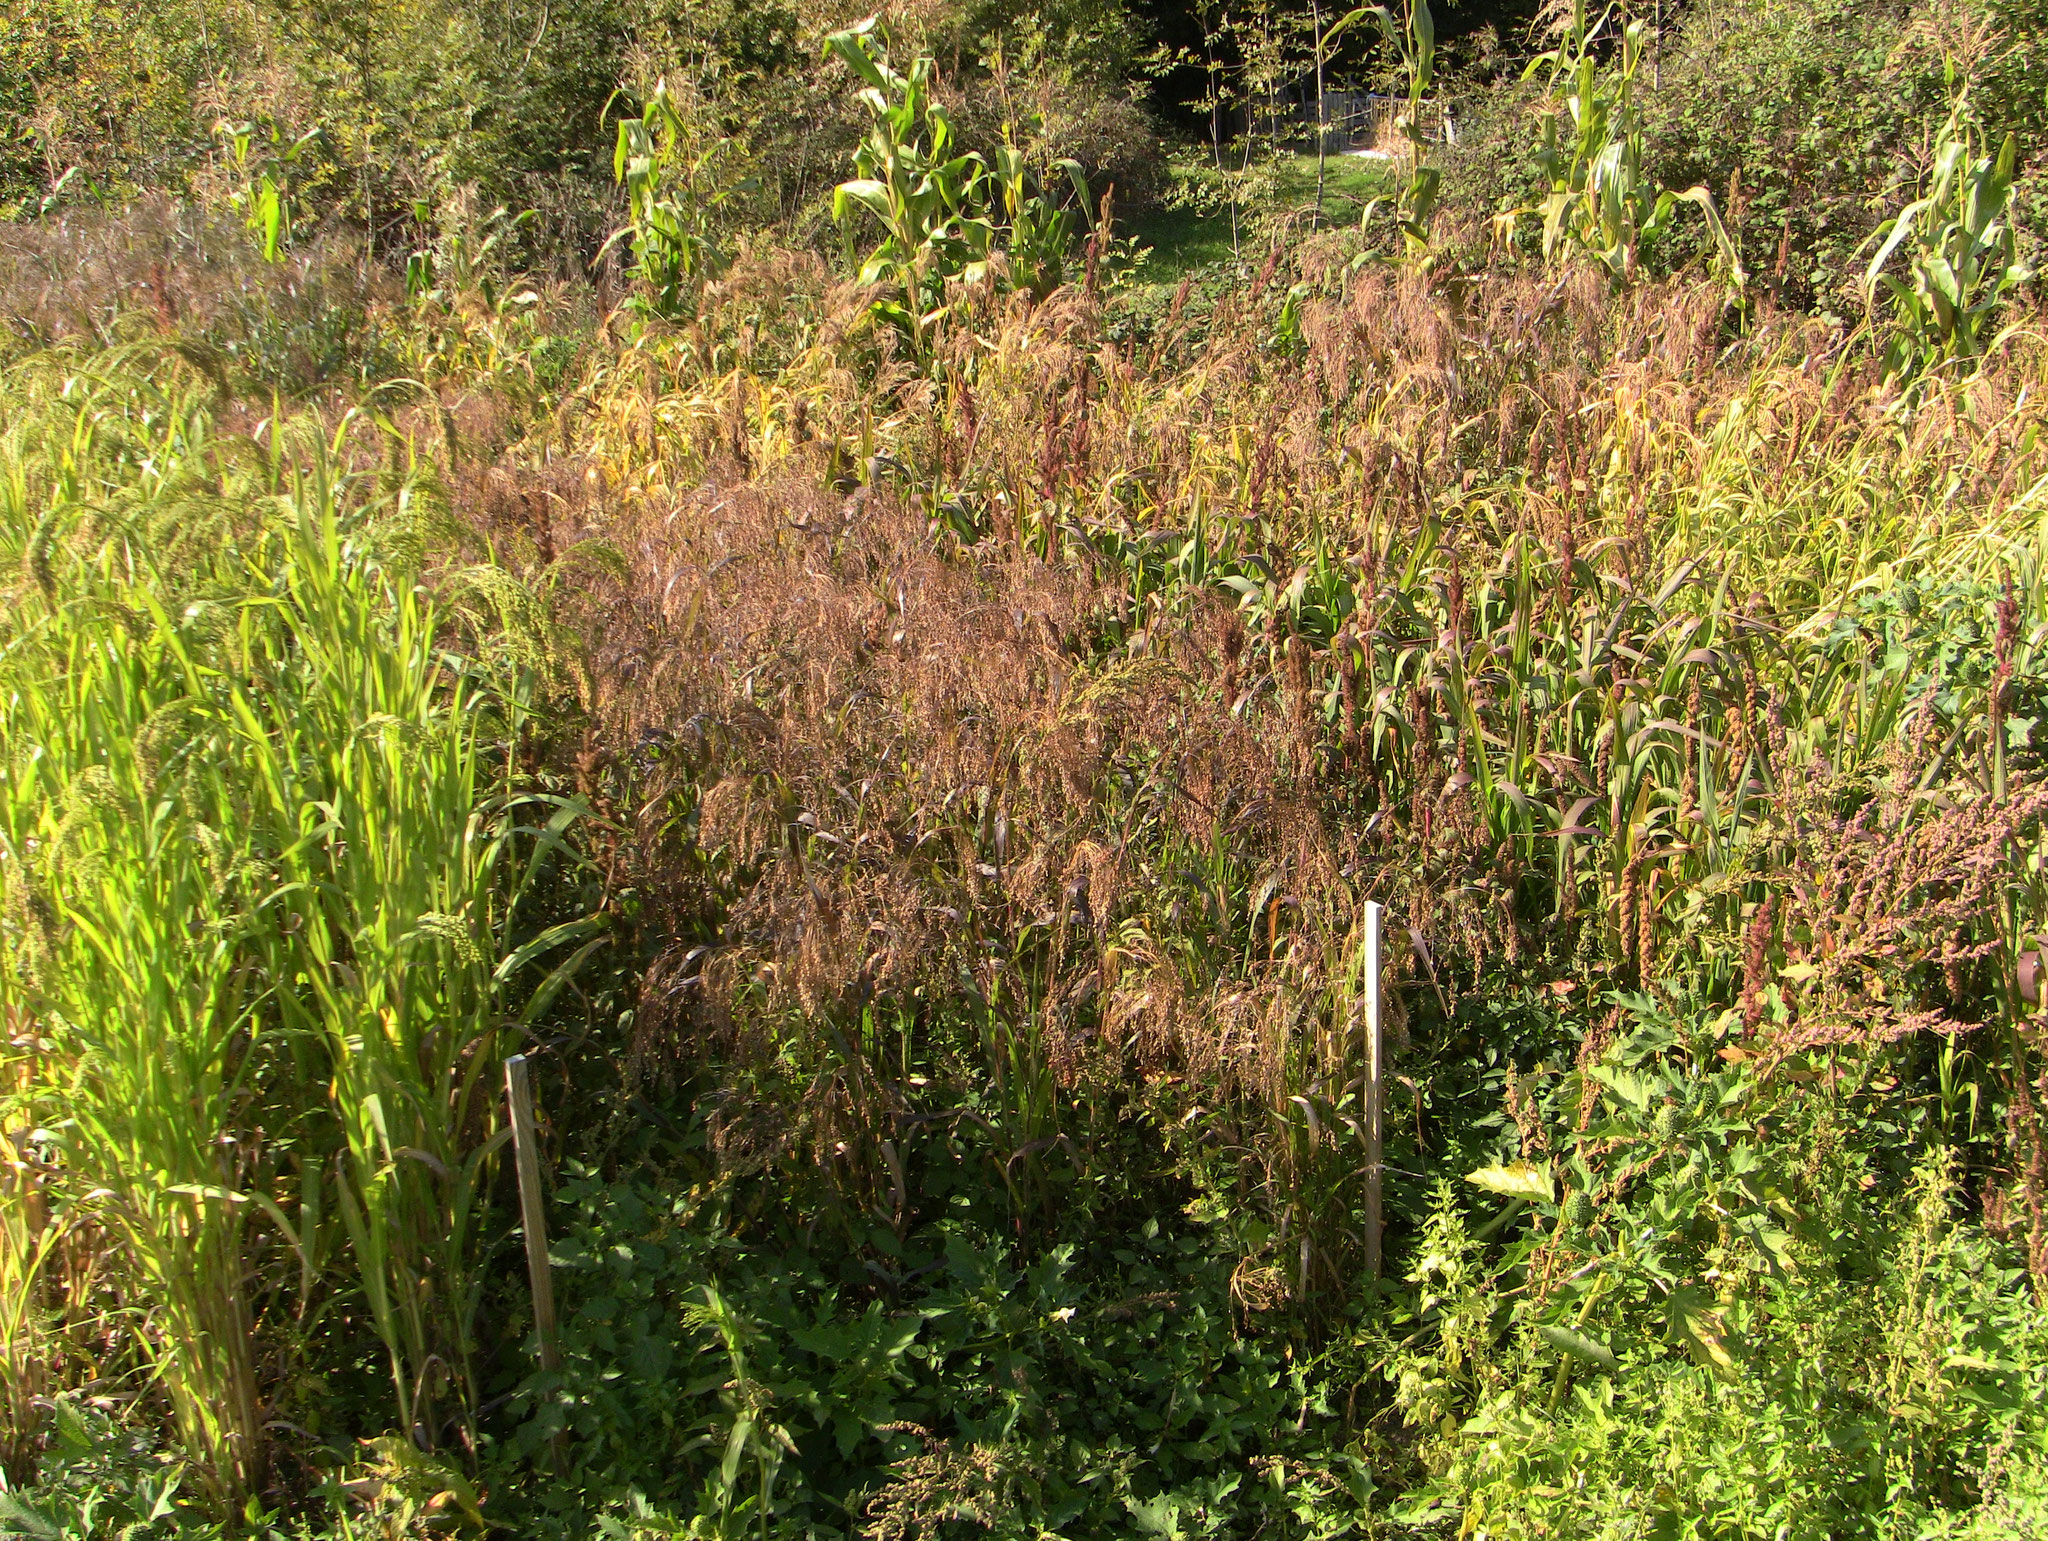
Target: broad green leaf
[1703,1330]
[1579,1346]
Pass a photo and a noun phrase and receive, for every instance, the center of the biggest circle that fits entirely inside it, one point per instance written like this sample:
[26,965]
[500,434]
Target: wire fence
[1361,122]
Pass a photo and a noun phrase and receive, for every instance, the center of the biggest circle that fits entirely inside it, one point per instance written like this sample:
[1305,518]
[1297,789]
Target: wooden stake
[526,1150]
[1373,1066]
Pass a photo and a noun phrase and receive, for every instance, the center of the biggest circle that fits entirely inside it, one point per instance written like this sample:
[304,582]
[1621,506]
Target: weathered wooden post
[1373,1067]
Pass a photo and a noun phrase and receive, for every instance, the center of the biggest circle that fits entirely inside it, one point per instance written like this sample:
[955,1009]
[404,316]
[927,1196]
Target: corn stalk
[673,191]
[1601,201]
[1960,250]
[1413,36]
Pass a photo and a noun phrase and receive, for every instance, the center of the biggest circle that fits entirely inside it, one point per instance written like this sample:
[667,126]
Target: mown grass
[1182,240]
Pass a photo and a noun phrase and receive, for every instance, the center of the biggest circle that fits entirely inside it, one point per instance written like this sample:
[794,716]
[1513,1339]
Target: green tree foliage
[420,99]
[100,99]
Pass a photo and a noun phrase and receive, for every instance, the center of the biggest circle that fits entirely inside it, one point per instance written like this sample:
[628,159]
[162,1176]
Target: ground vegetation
[879,608]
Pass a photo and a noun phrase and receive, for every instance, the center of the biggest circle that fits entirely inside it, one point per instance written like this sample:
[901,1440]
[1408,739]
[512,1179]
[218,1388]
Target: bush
[101,98]
[1824,140]
[1805,157]
[1710,1332]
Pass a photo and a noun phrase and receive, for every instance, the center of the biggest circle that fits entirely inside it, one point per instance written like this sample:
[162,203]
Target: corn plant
[1413,36]
[674,187]
[1960,249]
[269,172]
[1040,235]
[934,206]
[468,255]
[943,215]
[1601,202]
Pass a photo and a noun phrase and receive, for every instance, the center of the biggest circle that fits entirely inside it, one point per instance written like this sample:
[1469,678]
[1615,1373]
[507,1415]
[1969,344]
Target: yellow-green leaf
[1518,1179]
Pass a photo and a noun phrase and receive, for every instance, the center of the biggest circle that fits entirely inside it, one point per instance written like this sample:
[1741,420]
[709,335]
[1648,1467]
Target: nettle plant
[1960,250]
[943,215]
[1602,204]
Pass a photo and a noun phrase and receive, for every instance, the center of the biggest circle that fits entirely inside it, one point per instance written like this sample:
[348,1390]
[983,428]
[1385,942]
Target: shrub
[1823,140]
[1717,1339]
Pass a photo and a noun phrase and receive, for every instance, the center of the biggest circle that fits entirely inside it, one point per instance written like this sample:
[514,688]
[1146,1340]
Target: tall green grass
[258,830]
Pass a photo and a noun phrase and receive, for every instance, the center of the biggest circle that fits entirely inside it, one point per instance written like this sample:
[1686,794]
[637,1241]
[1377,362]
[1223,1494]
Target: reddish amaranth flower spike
[1756,960]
